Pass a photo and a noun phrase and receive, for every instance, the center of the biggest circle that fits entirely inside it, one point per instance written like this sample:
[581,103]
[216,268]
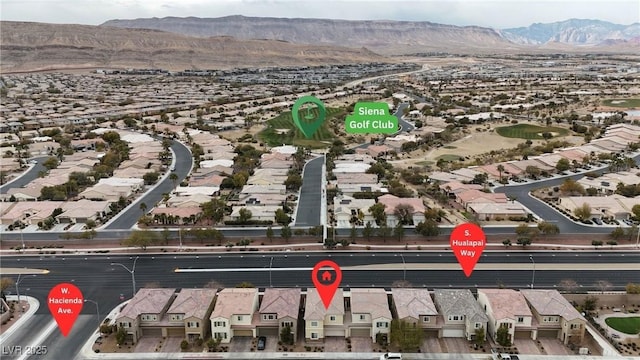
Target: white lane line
[40,339]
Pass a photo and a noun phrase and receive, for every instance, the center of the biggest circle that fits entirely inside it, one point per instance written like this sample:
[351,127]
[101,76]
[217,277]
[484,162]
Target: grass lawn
[627,325]
[532,132]
[450,157]
[622,103]
[320,139]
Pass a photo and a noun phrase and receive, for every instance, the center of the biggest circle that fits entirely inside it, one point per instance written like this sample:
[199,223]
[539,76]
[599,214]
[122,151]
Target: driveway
[361,344]
[240,344]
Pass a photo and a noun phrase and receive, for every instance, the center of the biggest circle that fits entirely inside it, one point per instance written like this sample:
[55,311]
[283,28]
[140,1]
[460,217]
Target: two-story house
[320,322]
[507,308]
[233,314]
[370,314]
[462,316]
[416,307]
[143,313]
[188,315]
[279,309]
[554,316]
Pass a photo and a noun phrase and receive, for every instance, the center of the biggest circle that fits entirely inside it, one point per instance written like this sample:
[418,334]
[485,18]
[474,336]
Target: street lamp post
[22,238]
[533,274]
[132,271]
[404,268]
[97,310]
[18,281]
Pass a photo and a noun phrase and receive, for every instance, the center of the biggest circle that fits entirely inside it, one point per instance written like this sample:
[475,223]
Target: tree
[5,283]
[398,231]
[213,210]
[285,232]
[524,241]
[532,171]
[428,228]
[286,336]
[270,233]
[150,178]
[51,163]
[121,335]
[479,336]
[632,288]
[500,169]
[404,214]
[502,336]
[617,233]
[245,285]
[563,165]
[583,212]
[378,213]
[590,303]
[143,207]
[572,187]
[281,217]
[568,285]
[244,215]
[213,344]
[603,285]
[405,335]
[384,231]
[548,228]
[174,178]
[367,231]
[636,212]
[293,182]
[141,238]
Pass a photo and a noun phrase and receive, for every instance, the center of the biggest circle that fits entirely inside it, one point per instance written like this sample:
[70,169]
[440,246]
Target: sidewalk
[34,304]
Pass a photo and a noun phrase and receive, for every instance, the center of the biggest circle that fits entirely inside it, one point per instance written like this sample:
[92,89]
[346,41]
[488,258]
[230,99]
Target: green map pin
[309,120]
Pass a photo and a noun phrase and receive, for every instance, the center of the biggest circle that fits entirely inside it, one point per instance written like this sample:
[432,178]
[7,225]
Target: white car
[391,356]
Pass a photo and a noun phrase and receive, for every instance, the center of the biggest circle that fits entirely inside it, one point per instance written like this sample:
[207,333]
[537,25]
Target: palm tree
[174,178]
[143,207]
[500,168]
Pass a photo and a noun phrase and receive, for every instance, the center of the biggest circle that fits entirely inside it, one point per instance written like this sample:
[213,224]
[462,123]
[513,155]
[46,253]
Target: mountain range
[397,37]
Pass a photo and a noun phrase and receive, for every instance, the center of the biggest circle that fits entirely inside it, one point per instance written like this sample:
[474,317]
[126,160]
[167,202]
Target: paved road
[308,213]
[183,162]
[28,177]
[102,282]
[566,226]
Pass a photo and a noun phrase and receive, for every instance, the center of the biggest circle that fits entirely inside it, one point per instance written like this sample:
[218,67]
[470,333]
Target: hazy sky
[496,13]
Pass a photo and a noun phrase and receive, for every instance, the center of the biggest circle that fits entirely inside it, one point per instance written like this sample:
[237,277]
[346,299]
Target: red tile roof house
[370,314]
[188,316]
[416,307]
[392,201]
[143,313]
[507,308]
[320,322]
[233,314]
[279,308]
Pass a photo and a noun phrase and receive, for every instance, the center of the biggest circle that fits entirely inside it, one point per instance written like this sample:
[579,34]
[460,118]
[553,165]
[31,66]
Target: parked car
[391,356]
[597,221]
[262,342]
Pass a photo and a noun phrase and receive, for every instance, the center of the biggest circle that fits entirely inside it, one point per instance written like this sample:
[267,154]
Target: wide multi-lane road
[102,282]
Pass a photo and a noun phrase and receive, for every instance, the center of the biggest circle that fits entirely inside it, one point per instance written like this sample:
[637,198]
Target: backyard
[627,325]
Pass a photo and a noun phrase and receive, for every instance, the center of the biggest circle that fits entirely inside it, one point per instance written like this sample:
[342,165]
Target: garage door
[267,331]
[334,332]
[452,333]
[431,333]
[243,333]
[523,335]
[175,332]
[366,332]
[152,332]
[548,333]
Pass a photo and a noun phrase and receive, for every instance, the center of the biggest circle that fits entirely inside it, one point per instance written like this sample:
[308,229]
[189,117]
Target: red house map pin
[65,303]
[326,281]
[468,242]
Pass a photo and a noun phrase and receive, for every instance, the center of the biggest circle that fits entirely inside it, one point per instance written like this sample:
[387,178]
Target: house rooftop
[506,303]
[147,301]
[370,301]
[284,302]
[413,303]
[193,302]
[234,301]
[456,302]
[314,309]
[551,302]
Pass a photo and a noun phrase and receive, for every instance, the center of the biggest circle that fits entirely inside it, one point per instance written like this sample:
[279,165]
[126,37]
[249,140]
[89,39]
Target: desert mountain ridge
[30,46]
[390,37]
